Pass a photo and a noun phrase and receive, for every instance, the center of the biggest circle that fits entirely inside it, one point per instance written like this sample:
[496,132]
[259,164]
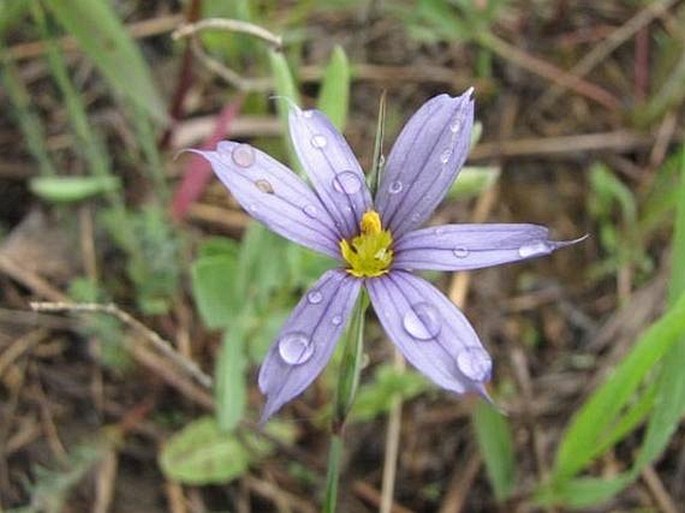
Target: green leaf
[231,393]
[69,189]
[201,454]
[286,90]
[496,444]
[214,288]
[472,181]
[374,398]
[601,413]
[104,39]
[335,89]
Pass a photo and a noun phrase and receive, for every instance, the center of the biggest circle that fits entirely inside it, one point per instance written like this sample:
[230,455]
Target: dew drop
[422,321]
[474,363]
[455,126]
[439,232]
[243,155]
[319,141]
[308,113]
[295,348]
[460,252]
[314,297]
[445,155]
[264,186]
[537,248]
[347,182]
[395,187]
[310,210]
[336,320]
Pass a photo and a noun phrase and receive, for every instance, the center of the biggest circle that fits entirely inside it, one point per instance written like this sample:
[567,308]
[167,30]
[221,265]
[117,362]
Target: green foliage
[203,454]
[335,89]
[70,189]
[614,207]
[374,398]
[496,444]
[473,181]
[97,28]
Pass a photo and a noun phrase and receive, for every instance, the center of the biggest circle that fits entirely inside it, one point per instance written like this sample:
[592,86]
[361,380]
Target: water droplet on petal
[439,232]
[537,248]
[264,186]
[347,182]
[455,126]
[295,348]
[308,113]
[311,211]
[336,320]
[445,155]
[314,297]
[319,141]
[422,321]
[460,252]
[395,187]
[243,155]
[474,363]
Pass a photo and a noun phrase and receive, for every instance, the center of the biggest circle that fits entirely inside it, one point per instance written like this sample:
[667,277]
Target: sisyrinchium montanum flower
[377,241]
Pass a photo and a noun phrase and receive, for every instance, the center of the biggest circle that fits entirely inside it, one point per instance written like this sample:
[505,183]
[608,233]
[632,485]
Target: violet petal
[274,195]
[432,334]
[424,161]
[307,339]
[332,168]
[460,247]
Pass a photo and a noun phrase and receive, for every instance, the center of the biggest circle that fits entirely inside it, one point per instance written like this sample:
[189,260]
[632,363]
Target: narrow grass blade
[601,413]
[496,444]
[335,89]
[231,390]
[104,39]
[29,122]
[374,176]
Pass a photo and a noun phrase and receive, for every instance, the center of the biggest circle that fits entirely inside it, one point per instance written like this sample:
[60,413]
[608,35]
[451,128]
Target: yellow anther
[368,254]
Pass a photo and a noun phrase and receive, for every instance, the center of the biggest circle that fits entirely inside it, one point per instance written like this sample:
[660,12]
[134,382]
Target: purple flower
[376,242]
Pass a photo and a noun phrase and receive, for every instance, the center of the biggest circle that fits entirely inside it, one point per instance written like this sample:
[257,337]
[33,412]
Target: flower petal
[274,195]
[430,331]
[332,168]
[459,247]
[424,162]
[307,339]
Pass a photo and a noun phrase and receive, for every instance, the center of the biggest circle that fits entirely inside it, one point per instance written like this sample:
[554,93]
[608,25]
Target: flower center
[368,254]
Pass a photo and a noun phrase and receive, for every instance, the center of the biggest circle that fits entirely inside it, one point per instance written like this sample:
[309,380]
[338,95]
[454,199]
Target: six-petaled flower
[377,242]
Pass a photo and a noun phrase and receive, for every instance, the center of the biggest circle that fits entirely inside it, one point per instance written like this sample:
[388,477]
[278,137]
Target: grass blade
[335,89]
[104,39]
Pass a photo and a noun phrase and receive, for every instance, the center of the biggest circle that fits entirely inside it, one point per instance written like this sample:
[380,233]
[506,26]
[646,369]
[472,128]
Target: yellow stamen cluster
[368,254]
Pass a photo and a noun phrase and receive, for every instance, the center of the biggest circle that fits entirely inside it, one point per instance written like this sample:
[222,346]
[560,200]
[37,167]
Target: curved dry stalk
[228,25]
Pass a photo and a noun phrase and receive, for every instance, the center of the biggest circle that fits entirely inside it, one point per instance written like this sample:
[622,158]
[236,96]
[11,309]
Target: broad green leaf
[231,393]
[335,89]
[215,291]
[201,454]
[602,411]
[102,36]
[496,444]
[68,189]
[582,492]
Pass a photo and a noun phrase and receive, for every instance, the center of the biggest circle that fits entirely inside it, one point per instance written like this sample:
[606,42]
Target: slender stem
[334,454]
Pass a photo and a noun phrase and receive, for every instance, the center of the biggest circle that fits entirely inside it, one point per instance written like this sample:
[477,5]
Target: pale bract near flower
[377,242]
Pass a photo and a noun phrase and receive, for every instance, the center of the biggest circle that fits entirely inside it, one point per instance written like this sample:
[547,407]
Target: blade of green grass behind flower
[496,444]
[104,39]
[286,96]
[602,416]
[29,121]
[335,89]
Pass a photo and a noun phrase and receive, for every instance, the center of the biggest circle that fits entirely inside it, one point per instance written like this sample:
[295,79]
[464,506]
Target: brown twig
[158,342]
[228,25]
[460,483]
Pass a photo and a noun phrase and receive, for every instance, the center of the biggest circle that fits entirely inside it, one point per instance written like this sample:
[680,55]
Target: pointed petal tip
[291,103]
[565,243]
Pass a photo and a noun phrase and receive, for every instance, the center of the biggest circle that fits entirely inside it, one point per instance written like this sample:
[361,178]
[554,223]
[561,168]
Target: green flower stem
[350,366]
[348,381]
[333,474]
